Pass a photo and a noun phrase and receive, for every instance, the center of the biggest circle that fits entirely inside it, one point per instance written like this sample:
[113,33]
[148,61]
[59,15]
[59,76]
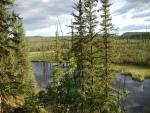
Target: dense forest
[85,62]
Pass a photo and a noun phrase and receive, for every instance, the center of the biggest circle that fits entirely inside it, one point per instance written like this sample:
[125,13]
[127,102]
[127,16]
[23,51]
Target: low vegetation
[133,54]
[137,72]
[84,85]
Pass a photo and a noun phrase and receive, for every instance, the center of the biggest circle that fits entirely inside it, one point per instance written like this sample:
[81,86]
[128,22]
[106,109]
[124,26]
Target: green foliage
[84,87]
[129,51]
[10,85]
[58,71]
[22,61]
[137,72]
[31,105]
[17,81]
[79,43]
[66,98]
[110,103]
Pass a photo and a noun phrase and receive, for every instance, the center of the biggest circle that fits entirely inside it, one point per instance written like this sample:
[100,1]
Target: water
[139,99]
[137,102]
[43,72]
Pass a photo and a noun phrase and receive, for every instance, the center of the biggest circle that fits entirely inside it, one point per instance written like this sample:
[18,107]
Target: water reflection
[43,72]
[137,102]
[139,99]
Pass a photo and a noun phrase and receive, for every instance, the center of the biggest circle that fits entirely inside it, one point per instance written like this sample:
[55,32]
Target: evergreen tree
[93,80]
[78,42]
[30,102]
[109,103]
[22,60]
[106,44]
[92,36]
[72,34]
[79,47]
[10,85]
[58,71]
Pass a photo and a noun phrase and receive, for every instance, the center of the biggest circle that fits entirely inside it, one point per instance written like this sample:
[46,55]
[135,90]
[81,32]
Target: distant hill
[136,35]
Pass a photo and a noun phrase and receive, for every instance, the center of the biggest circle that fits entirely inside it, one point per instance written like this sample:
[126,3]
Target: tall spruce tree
[78,42]
[106,44]
[58,71]
[109,103]
[22,64]
[93,80]
[22,60]
[78,47]
[92,36]
[54,90]
[10,85]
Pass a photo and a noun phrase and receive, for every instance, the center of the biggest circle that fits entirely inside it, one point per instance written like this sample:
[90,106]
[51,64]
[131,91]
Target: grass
[137,72]
[44,43]
[135,53]
[43,48]
[41,56]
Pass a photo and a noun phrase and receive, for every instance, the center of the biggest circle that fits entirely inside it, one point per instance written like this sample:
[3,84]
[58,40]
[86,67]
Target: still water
[43,73]
[139,99]
[137,102]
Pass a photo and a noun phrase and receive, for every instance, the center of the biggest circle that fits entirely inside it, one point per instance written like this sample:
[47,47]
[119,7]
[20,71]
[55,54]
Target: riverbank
[137,72]
[45,56]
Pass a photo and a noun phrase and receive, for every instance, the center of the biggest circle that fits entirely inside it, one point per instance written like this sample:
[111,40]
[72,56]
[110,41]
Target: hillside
[137,35]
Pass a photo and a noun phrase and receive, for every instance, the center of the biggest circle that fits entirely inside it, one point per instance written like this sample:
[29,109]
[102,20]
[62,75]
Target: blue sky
[40,17]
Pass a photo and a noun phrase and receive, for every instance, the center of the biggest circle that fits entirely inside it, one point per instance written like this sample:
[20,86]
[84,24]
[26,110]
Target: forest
[85,63]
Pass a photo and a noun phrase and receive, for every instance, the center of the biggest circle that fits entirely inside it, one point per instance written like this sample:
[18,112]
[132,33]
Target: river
[137,102]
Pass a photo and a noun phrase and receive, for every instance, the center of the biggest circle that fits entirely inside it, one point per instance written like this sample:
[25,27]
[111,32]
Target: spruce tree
[30,102]
[93,81]
[72,34]
[78,47]
[92,36]
[78,42]
[54,90]
[10,85]
[109,103]
[22,60]
[106,44]
[58,71]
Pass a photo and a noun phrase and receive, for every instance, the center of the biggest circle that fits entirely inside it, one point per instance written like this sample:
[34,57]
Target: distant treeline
[134,51]
[136,35]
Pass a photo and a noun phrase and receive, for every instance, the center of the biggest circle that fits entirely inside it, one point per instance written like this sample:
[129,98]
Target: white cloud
[40,16]
[46,1]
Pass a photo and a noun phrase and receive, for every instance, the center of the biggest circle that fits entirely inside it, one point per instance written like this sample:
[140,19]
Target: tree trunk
[1,110]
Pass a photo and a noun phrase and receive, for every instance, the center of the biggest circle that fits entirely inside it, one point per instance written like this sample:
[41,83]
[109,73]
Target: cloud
[132,15]
[40,14]
[142,15]
[136,27]
[133,6]
[123,10]
[148,19]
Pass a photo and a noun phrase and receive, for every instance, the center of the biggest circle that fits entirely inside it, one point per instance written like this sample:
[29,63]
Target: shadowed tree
[109,103]
[78,47]
[93,80]
[58,71]
[30,103]
[106,44]
[22,60]
[10,84]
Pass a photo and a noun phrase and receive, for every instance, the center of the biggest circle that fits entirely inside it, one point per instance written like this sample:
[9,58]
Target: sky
[40,17]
